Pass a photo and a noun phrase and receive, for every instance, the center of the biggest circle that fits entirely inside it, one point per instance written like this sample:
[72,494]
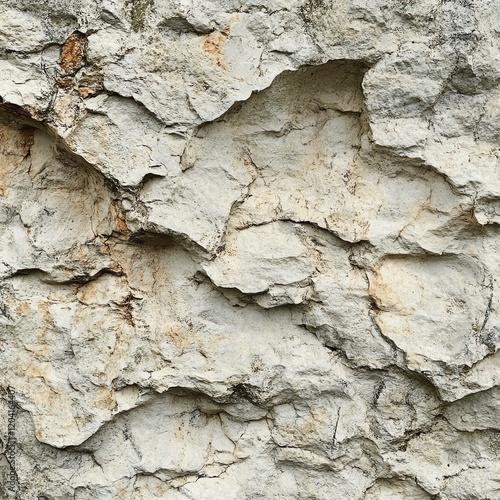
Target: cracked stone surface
[250,249]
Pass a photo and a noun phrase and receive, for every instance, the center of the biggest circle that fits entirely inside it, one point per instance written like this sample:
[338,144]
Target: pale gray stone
[250,249]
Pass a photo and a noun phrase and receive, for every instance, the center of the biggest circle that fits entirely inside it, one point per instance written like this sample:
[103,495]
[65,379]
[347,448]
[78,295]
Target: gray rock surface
[250,249]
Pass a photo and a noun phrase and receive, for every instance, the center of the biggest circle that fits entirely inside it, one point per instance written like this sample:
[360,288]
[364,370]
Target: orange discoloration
[73,53]
[90,83]
[85,91]
[120,225]
[213,44]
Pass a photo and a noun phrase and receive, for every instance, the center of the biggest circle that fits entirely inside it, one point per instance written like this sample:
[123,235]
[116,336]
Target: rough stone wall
[250,249]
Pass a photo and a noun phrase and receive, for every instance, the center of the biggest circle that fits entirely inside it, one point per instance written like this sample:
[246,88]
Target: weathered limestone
[250,249]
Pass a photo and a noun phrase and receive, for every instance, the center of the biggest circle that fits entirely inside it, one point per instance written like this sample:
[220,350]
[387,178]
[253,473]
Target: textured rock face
[250,249]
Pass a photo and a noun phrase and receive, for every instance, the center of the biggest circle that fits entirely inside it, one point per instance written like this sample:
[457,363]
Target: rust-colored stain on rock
[85,91]
[120,224]
[73,53]
[214,45]
[214,42]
